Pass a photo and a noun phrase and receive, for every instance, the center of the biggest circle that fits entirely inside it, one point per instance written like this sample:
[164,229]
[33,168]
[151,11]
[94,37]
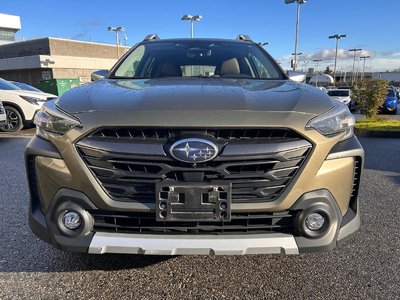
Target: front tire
[14,122]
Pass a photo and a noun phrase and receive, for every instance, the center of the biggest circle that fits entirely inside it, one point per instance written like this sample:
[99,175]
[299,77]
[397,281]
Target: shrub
[370,94]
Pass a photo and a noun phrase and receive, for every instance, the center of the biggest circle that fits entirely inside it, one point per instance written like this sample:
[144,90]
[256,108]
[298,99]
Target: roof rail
[150,37]
[244,37]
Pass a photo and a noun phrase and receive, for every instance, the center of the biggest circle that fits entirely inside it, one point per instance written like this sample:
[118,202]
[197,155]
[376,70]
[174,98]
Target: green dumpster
[58,86]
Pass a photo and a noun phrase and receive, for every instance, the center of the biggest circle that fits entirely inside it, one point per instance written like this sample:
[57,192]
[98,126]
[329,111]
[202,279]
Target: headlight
[32,100]
[337,120]
[50,121]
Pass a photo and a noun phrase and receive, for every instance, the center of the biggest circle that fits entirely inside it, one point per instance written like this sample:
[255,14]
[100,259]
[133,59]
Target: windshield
[5,85]
[25,86]
[341,93]
[390,93]
[197,58]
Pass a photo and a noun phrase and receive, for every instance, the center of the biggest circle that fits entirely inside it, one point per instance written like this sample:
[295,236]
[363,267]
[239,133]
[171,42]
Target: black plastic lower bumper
[50,228]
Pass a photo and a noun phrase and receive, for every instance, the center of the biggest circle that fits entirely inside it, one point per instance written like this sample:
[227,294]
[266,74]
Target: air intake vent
[243,223]
[356,183]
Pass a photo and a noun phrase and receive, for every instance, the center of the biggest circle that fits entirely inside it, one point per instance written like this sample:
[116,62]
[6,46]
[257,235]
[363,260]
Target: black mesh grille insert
[162,133]
[261,165]
[146,223]
[32,180]
[356,183]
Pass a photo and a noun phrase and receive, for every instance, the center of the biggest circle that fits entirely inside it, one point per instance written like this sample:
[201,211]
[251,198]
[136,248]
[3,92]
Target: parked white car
[341,95]
[20,105]
[3,116]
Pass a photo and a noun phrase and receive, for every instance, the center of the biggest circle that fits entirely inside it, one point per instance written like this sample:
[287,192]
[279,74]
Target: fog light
[315,221]
[72,220]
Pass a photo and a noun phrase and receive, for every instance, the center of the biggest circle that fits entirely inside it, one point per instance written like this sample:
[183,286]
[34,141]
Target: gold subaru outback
[194,146]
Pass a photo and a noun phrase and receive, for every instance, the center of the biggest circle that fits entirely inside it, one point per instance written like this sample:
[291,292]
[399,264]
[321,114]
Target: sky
[370,25]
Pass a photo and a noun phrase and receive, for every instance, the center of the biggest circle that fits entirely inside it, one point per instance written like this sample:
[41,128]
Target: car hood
[194,94]
[390,98]
[340,98]
[44,96]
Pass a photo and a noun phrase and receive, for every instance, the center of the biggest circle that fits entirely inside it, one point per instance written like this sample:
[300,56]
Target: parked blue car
[391,102]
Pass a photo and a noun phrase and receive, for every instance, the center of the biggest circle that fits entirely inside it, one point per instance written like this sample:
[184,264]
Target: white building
[9,25]
[389,76]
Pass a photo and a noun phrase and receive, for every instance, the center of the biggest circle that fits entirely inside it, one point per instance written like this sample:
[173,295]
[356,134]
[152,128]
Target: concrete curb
[376,133]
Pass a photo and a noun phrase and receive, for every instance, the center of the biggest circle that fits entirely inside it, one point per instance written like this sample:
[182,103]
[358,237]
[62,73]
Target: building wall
[83,49]
[389,76]
[30,76]
[10,22]
[25,48]
[82,74]
[35,60]
[9,25]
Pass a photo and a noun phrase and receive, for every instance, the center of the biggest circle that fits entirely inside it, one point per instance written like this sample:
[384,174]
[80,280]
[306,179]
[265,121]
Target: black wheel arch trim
[17,107]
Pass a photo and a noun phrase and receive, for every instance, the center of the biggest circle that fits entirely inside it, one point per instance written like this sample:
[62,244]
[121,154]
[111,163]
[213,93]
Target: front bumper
[45,223]
[48,228]
[3,116]
[188,245]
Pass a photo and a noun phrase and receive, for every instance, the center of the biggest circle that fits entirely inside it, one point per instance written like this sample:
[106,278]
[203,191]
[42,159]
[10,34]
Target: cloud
[381,64]
[87,27]
[94,23]
[391,53]
[378,62]
[78,36]
[329,54]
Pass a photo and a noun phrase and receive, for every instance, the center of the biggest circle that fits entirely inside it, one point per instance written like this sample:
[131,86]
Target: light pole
[299,2]
[337,37]
[125,39]
[355,50]
[364,58]
[294,61]
[306,62]
[192,19]
[117,30]
[316,79]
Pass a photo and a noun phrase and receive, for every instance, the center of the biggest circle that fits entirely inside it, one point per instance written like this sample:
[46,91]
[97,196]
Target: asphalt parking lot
[367,267]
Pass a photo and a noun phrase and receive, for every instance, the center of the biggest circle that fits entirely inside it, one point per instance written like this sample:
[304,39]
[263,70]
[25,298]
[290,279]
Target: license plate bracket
[193,201]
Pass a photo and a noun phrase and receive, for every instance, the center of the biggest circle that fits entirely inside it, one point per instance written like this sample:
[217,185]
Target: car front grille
[171,133]
[260,163]
[243,223]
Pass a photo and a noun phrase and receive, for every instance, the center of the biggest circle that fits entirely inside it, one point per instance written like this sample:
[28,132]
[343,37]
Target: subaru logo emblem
[194,150]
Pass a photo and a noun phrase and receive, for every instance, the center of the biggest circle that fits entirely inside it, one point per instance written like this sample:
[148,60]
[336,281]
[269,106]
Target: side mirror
[98,75]
[297,76]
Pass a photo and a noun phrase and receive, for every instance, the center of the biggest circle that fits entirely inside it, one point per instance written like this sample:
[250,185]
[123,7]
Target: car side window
[260,67]
[130,65]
